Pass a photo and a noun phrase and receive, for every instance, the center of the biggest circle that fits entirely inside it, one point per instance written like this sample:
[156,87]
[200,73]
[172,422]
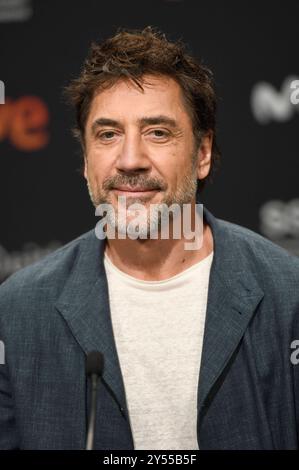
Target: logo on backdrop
[24,123]
[269,104]
[15,10]
[31,252]
[279,221]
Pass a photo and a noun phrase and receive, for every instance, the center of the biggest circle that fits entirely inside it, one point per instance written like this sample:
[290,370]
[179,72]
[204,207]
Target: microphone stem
[92,418]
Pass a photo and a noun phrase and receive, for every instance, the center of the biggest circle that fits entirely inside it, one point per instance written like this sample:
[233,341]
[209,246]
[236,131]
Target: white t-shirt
[158,328]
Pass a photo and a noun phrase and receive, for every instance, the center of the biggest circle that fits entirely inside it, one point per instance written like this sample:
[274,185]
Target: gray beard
[184,194]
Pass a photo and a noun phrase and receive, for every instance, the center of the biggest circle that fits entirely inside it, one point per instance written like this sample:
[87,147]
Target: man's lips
[138,190]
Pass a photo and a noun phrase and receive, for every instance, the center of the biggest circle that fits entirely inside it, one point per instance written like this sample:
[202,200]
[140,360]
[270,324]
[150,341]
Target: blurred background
[252,49]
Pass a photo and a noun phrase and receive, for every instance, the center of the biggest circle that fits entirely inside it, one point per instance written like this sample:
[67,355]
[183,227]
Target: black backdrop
[252,48]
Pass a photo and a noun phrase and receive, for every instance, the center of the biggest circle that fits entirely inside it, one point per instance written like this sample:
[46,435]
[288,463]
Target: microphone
[94,368]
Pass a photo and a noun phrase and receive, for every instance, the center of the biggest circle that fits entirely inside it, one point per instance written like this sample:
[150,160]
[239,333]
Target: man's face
[141,145]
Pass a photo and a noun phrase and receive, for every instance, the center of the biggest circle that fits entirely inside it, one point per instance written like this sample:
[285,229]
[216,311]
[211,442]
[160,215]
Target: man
[196,343]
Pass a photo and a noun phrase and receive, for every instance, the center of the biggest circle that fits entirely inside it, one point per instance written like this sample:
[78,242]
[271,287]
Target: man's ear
[204,155]
[85,166]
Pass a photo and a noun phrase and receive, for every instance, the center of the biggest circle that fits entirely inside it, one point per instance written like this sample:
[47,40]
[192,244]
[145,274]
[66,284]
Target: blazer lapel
[232,299]
[84,304]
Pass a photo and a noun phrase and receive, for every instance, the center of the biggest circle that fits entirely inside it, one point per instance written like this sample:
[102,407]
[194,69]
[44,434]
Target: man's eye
[107,135]
[160,133]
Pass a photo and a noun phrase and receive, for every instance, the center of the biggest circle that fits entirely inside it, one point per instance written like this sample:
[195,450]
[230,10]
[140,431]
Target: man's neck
[156,259]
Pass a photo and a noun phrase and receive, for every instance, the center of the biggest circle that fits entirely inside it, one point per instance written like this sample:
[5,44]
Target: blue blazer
[55,311]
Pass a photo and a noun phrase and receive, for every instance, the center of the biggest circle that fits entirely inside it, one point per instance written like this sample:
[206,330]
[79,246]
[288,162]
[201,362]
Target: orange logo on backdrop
[24,122]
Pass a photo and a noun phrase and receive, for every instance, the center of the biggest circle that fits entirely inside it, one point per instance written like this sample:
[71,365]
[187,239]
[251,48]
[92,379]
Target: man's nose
[132,154]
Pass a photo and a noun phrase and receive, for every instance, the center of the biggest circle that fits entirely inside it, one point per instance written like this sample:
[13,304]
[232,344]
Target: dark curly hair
[131,54]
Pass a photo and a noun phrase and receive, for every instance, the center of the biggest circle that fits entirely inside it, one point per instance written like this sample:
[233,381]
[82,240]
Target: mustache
[133,180]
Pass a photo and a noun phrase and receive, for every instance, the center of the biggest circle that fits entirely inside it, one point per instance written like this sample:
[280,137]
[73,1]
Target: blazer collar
[232,299]
[84,304]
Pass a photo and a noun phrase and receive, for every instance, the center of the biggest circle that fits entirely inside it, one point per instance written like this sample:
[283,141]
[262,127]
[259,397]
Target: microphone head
[94,363]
